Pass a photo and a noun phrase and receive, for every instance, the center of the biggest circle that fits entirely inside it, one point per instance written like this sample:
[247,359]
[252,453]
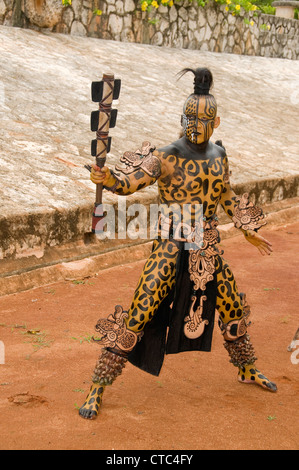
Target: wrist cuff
[247,216]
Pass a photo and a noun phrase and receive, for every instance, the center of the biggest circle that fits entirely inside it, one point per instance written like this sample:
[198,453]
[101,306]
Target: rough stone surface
[45,193]
[248,33]
[43,13]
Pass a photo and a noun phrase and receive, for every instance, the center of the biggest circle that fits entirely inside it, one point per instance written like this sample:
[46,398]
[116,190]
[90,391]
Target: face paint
[198,118]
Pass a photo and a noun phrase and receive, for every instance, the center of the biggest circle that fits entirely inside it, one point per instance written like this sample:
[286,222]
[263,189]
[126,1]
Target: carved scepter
[103,92]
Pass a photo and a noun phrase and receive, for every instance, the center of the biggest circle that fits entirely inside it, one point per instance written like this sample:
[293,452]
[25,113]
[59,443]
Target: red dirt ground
[195,404]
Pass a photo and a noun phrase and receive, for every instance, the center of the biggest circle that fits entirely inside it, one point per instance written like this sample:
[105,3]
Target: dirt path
[196,402]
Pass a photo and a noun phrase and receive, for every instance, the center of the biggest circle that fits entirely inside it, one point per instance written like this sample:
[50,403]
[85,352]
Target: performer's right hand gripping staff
[179,290]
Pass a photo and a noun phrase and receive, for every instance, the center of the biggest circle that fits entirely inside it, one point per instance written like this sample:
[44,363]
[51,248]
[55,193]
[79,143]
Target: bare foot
[90,409]
[251,375]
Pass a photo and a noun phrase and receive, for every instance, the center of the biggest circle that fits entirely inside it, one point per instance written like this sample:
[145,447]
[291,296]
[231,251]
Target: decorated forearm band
[141,159]
[247,216]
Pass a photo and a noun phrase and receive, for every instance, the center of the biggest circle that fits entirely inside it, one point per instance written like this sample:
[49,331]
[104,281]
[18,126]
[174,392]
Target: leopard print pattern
[228,301]
[155,283]
[184,181]
[188,181]
[158,278]
[249,374]
[90,408]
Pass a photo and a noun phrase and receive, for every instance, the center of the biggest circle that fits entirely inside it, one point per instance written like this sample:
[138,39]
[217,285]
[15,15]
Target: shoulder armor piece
[141,159]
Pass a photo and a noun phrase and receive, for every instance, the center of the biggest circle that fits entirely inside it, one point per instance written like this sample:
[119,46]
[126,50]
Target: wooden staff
[103,92]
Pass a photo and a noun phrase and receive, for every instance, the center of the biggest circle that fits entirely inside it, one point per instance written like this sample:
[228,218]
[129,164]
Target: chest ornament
[202,260]
[201,270]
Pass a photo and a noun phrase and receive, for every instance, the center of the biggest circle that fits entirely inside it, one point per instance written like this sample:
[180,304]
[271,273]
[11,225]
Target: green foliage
[271,418]
[97,12]
[232,6]
[67,3]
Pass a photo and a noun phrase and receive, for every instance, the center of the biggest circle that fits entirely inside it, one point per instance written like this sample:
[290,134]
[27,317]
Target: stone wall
[184,25]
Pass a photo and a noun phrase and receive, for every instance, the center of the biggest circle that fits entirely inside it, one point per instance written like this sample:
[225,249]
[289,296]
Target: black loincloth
[158,339]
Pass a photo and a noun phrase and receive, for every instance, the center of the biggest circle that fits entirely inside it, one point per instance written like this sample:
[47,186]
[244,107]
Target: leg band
[236,328]
[108,367]
[115,334]
[241,351]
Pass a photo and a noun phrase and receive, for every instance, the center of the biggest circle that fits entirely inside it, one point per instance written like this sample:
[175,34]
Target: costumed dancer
[180,288]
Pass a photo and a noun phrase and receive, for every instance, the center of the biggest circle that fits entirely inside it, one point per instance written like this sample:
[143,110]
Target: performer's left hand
[263,245]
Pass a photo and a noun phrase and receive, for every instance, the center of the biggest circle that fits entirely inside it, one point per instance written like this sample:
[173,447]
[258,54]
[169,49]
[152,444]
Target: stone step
[80,260]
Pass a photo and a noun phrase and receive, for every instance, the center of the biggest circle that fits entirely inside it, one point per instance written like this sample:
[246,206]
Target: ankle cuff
[108,367]
[241,351]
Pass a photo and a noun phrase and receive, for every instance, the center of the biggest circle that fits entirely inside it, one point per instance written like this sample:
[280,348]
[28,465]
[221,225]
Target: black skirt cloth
[164,334]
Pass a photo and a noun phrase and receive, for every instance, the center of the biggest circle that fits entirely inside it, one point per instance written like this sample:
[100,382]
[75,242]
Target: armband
[141,159]
[247,216]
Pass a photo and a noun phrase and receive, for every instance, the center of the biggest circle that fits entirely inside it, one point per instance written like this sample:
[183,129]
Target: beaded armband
[247,216]
[141,159]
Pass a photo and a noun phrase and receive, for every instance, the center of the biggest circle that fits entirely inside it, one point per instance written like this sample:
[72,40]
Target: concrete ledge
[80,260]
[71,270]
[33,239]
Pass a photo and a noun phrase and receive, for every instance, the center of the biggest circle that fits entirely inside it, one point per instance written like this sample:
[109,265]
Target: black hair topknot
[203,79]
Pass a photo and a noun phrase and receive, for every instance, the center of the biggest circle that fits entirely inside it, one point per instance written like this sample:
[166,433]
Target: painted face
[199,118]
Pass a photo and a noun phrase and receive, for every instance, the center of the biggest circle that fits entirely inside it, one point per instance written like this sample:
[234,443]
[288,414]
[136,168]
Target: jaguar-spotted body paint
[185,180]
[199,118]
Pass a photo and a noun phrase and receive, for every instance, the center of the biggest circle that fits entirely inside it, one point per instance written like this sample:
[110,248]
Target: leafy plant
[271,418]
[38,339]
[67,3]
[87,338]
[97,12]
[231,6]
